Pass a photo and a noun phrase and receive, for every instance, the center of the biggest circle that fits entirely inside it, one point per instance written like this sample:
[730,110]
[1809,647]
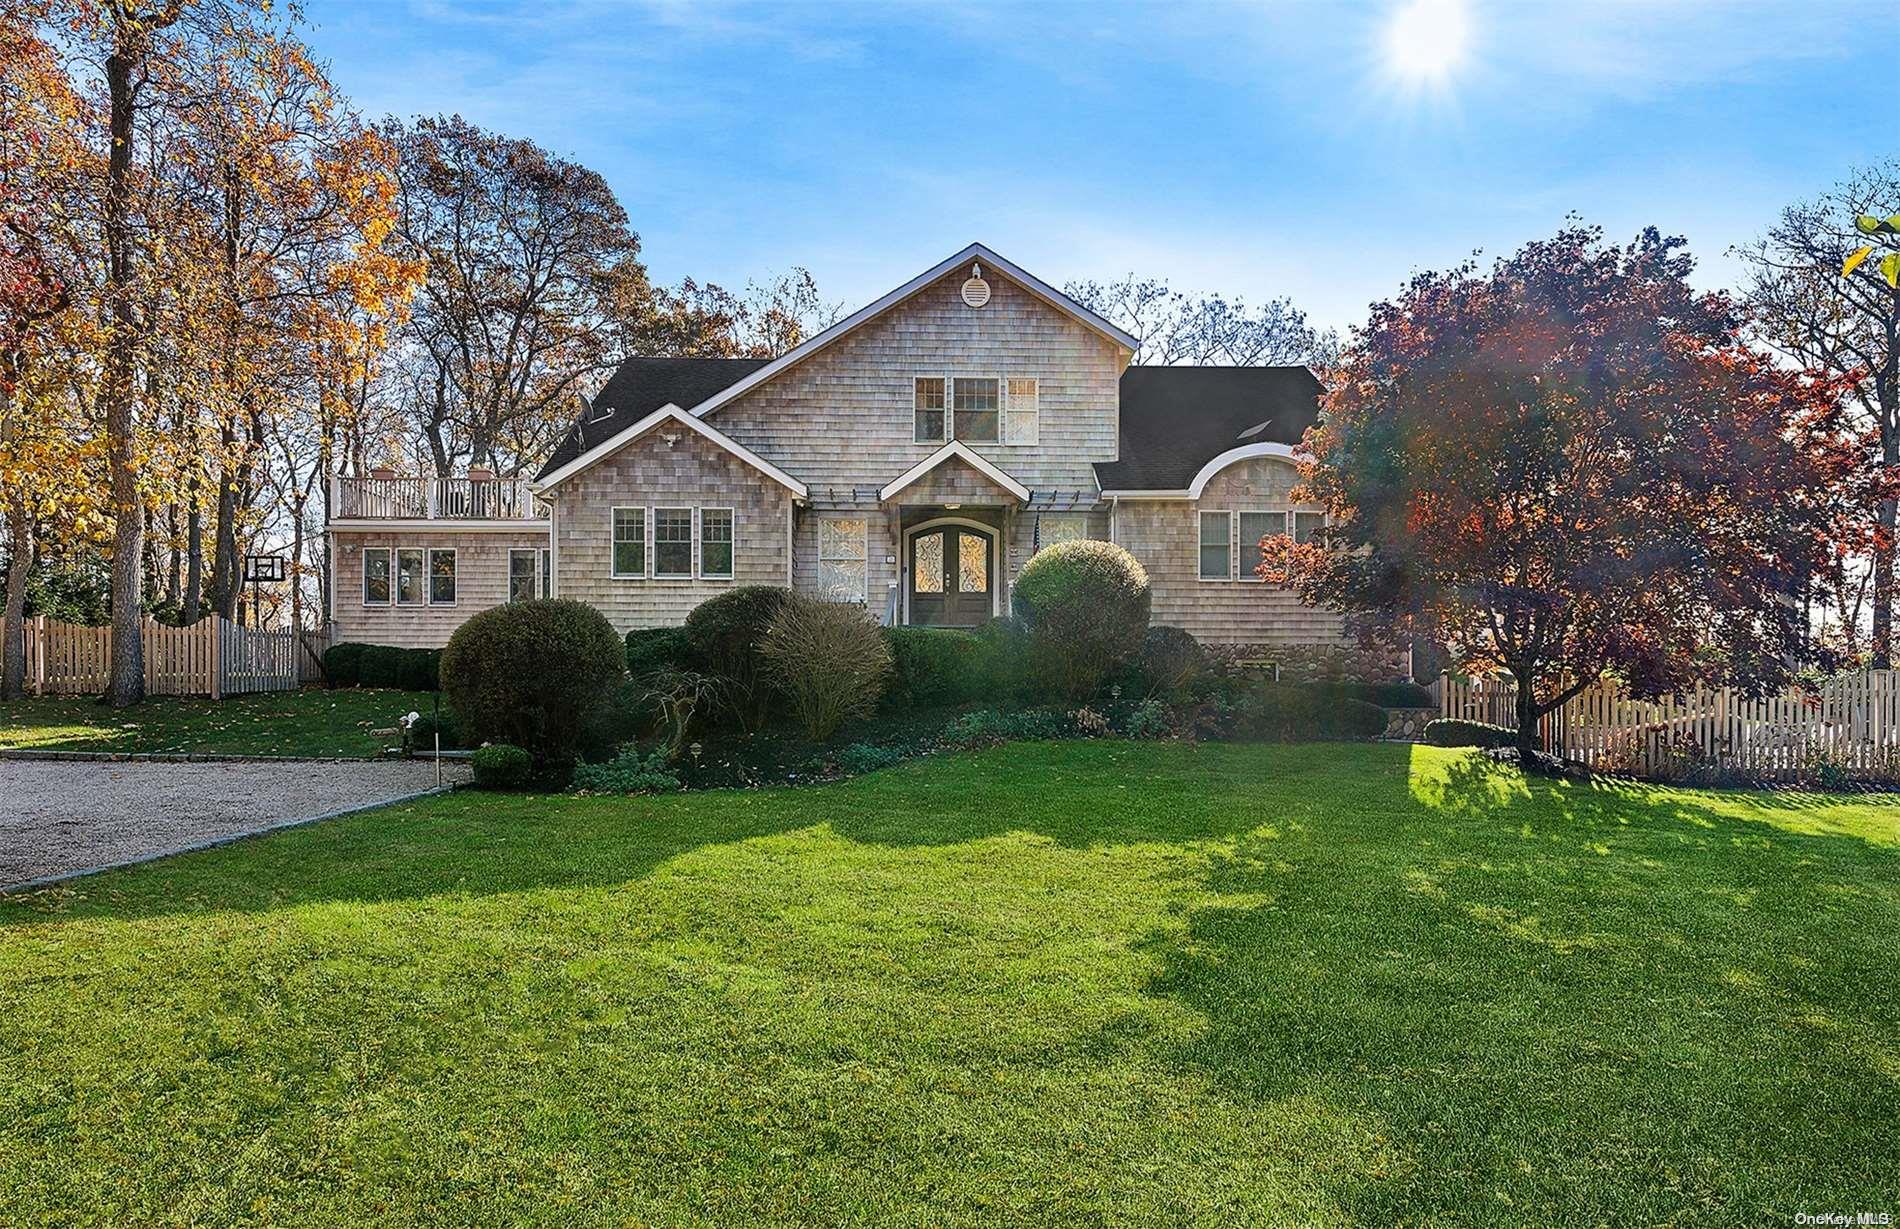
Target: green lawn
[1049,983]
[320,723]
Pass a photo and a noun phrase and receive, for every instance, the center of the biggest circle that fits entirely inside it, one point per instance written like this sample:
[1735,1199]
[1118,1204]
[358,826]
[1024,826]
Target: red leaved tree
[1571,466]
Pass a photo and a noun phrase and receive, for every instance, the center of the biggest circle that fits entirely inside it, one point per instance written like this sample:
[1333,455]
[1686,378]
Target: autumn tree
[534,289]
[1821,308]
[1205,329]
[1571,466]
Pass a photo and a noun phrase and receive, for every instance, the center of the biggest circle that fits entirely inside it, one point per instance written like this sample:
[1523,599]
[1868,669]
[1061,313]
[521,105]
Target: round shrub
[654,648]
[533,674]
[1452,732]
[1354,719]
[723,636]
[501,766]
[343,664]
[1085,607]
[1171,659]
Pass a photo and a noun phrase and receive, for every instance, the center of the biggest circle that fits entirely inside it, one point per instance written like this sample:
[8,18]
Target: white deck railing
[477,499]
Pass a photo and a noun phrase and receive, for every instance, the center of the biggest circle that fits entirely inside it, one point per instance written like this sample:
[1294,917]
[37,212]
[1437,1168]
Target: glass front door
[952,571]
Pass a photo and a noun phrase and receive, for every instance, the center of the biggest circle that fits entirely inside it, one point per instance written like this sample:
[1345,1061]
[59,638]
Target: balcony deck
[435,499]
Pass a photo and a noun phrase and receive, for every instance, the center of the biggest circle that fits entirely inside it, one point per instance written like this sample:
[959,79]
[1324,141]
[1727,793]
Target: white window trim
[1286,526]
[914,437]
[428,575]
[865,521]
[1007,404]
[699,543]
[534,571]
[1200,542]
[950,406]
[646,543]
[389,573]
[544,559]
[395,576]
[692,540]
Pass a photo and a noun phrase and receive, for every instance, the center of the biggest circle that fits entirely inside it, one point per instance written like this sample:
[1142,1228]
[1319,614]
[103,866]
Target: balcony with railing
[434,499]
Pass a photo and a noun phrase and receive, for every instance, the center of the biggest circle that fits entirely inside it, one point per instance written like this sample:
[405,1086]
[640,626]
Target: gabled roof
[975,253]
[961,452]
[553,478]
[1176,421]
[640,386]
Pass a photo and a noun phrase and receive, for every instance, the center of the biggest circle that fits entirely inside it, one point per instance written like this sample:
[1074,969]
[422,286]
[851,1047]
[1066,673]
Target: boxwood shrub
[501,766]
[342,664]
[1452,732]
[935,667]
[722,639]
[534,674]
[655,648]
[1084,606]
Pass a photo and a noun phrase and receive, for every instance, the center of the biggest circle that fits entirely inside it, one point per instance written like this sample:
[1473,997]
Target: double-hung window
[442,576]
[409,591]
[927,410]
[1305,524]
[376,576]
[547,572]
[673,543]
[976,409]
[715,543]
[521,587]
[1217,541]
[841,559]
[1253,527]
[1022,412]
[630,543]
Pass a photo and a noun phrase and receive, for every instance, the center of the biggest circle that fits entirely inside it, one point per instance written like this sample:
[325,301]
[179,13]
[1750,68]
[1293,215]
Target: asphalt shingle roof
[1177,419]
[640,386]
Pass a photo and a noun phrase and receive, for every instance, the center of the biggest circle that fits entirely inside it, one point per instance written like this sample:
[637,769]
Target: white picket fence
[214,657]
[1852,723]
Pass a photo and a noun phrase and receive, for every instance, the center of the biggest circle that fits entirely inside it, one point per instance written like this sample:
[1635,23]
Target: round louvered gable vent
[976,291]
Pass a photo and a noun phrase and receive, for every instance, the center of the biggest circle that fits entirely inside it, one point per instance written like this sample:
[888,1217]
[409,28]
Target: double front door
[952,577]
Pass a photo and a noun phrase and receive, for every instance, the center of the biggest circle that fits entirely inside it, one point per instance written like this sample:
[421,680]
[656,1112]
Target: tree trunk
[1526,717]
[13,646]
[127,685]
[193,608]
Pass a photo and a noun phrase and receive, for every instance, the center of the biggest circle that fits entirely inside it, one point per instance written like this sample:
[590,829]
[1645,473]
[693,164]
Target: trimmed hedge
[1085,607]
[933,667]
[501,766]
[1452,732]
[1303,712]
[382,665]
[1385,695]
[534,674]
[655,648]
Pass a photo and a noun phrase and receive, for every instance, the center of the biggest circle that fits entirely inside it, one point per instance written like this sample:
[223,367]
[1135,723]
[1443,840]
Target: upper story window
[976,410]
[1255,526]
[1304,523]
[927,405]
[1021,416]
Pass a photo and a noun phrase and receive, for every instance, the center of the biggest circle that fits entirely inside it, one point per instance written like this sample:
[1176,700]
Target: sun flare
[1425,40]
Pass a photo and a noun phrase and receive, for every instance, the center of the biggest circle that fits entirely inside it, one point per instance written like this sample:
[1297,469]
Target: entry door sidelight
[952,574]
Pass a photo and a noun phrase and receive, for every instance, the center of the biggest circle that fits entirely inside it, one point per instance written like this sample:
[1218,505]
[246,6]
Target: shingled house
[911,457]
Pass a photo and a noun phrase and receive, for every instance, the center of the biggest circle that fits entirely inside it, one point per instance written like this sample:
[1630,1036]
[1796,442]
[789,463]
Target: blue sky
[1252,149]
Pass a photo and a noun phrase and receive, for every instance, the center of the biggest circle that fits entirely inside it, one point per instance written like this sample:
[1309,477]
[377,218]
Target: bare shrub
[830,660]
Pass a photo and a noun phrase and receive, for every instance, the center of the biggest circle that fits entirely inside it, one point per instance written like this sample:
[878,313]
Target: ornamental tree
[1571,466]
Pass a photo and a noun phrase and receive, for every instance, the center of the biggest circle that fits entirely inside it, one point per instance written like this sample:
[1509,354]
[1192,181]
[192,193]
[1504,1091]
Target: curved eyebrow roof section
[1177,419]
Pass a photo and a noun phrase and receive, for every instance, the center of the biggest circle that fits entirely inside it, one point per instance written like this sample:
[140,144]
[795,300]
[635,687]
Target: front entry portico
[950,572]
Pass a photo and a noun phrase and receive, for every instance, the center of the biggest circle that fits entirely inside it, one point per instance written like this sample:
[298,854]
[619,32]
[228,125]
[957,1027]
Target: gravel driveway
[62,816]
